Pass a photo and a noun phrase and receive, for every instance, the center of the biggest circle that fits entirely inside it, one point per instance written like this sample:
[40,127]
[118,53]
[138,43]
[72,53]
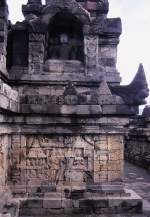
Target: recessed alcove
[64,38]
[17,49]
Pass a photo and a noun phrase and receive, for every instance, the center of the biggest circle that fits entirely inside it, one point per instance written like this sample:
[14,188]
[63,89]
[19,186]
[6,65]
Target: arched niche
[17,48]
[65,39]
[40,24]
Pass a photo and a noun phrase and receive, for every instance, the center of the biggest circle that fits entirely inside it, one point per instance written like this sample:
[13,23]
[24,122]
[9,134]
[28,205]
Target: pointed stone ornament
[139,84]
[136,92]
[146,111]
[140,75]
[104,89]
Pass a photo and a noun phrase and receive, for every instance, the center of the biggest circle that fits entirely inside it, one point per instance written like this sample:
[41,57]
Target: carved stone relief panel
[36,53]
[64,160]
[16,161]
[36,37]
[91,51]
[3,159]
[54,160]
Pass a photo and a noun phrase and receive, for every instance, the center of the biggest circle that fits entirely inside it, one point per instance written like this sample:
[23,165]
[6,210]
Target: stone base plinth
[91,203]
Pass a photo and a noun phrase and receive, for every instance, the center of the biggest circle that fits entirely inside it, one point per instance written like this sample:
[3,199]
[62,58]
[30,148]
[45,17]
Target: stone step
[93,205]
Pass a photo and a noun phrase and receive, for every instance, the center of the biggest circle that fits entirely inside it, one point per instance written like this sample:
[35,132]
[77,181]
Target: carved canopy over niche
[41,24]
[56,6]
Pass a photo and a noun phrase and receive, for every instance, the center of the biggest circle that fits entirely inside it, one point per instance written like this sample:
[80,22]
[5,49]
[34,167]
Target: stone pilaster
[36,53]
[91,53]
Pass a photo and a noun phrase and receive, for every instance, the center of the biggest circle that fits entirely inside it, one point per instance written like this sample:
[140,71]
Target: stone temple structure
[63,111]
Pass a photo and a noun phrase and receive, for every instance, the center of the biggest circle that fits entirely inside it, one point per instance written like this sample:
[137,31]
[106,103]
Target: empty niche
[17,49]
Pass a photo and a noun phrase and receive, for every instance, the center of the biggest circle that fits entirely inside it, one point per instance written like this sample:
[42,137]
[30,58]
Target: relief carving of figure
[56,167]
[91,46]
[79,159]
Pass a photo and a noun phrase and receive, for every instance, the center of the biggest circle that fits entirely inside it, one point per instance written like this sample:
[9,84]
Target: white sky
[134,47]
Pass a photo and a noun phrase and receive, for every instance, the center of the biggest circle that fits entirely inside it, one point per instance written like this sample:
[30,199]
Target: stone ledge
[64,66]
[103,205]
[92,205]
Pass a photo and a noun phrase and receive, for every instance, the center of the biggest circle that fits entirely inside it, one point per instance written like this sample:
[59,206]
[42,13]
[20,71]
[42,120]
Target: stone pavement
[138,179]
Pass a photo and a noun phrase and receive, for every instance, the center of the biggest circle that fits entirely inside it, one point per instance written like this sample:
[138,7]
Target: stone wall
[137,143]
[9,98]
[63,162]
[63,114]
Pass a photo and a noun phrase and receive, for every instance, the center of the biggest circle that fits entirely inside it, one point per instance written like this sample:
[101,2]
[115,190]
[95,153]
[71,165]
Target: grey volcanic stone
[64,114]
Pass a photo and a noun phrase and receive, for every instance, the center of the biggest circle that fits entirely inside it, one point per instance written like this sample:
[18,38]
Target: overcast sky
[134,47]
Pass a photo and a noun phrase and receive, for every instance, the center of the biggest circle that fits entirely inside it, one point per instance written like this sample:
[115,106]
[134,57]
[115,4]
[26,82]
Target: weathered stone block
[108,52]
[67,203]
[52,203]
[32,203]
[109,109]
[4,102]
[32,212]
[115,176]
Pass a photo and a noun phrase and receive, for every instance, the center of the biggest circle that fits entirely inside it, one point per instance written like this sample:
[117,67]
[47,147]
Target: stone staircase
[84,204]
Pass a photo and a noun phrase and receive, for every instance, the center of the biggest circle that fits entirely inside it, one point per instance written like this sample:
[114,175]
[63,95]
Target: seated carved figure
[74,48]
[53,48]
[65,37]
[64,47]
